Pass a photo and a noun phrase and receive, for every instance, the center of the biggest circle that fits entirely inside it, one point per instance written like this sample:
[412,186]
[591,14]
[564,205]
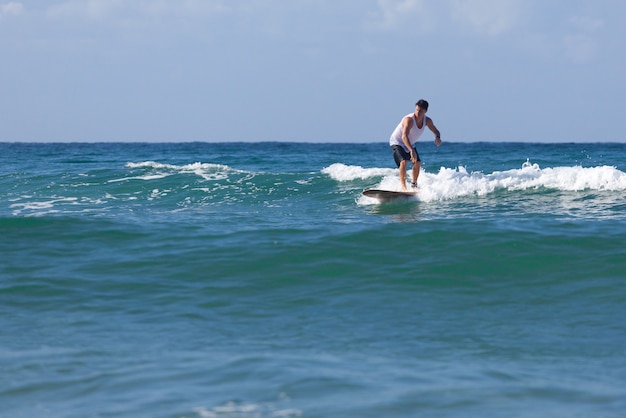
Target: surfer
[405,136]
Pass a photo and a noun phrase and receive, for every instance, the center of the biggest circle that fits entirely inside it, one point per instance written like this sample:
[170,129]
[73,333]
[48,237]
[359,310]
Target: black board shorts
[399,154]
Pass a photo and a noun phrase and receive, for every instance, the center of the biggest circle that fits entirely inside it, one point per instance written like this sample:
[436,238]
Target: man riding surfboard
[405,136]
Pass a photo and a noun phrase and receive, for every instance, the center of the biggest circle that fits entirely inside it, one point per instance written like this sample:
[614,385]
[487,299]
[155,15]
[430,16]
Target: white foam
[246,410]
[205,170]
[147,164]
[342,172]
[44,207]
[450,183]
[146,178]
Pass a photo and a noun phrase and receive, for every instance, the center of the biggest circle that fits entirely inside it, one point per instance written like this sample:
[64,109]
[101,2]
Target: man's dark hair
[423,104]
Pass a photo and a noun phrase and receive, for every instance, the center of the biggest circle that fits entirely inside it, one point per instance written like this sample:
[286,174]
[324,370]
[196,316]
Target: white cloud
[11,9]
[490,17]
[587,23]
[91,9]
[397,14]
[183,7]
[580,48]
[102,9]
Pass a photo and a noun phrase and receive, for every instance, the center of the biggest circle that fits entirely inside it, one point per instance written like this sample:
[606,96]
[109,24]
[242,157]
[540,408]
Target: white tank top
[414,133]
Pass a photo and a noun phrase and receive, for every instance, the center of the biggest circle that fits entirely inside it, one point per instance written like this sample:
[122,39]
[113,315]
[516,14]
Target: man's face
[419,110]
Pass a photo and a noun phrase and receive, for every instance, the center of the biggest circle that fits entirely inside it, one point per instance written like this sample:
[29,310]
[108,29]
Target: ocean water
[253,280]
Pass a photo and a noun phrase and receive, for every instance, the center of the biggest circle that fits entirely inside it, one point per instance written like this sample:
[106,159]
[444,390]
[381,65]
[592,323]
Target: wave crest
[207,171]
[342,172]
[449,183]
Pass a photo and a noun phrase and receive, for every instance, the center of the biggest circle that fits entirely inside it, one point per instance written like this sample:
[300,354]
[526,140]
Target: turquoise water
[254,280]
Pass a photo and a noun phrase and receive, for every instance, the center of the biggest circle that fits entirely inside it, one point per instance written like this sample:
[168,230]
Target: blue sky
[311,70]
